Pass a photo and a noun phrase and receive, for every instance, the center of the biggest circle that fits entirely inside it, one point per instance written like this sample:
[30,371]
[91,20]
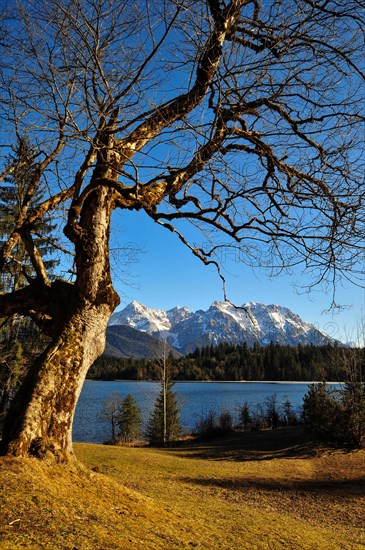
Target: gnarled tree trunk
[40,418]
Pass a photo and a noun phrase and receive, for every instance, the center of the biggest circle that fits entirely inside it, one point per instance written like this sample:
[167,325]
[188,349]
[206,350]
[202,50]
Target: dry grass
[255,491]
[58,506]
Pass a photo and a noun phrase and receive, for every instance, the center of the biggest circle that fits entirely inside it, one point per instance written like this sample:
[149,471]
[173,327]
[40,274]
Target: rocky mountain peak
[221,322]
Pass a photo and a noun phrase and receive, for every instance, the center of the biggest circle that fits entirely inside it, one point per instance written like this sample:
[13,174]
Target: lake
[196,400]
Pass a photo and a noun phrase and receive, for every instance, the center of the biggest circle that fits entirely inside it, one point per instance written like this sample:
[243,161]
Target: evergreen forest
[240,362]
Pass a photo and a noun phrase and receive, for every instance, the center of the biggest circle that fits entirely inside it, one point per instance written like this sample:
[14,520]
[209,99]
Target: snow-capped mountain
[222,322]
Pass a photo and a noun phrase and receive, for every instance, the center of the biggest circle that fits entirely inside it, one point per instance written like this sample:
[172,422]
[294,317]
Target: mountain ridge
[125,342]
[252,322]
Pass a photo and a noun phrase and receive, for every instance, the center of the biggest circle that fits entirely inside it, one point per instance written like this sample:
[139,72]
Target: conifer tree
[163,429]
[12,369]
[16,193]
[245,417]
[129,419]
[20,339]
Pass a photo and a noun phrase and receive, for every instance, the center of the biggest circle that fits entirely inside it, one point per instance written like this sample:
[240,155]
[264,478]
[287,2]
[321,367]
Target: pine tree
[320,410]
[162,429]
[272,414]
[129,419]
[245,417]
[12,369]
[17,193]
[19,334]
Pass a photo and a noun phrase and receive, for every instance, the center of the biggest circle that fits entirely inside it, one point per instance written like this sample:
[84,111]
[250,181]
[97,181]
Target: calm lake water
[196,400]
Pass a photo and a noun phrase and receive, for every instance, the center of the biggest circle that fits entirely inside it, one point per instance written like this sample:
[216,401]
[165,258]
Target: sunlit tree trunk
[40,418]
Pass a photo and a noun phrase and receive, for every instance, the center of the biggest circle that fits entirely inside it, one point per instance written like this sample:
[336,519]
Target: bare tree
[110,413]
[242,116]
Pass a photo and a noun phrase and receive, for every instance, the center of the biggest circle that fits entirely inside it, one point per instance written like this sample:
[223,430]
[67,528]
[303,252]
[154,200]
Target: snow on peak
[142,318]
[221,322]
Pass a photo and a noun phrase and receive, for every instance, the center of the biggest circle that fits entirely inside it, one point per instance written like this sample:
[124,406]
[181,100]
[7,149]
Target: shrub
[336,416]
[211,426]
[206,427]
[225,421]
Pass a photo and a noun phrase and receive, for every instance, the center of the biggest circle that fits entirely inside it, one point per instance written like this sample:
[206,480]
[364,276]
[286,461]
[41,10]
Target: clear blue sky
[164,273]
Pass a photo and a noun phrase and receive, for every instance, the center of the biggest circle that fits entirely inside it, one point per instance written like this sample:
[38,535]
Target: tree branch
[179,107]
[46,304]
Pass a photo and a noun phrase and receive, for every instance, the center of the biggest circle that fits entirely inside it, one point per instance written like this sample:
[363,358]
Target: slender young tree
[164,423]
[110,413]
[242,116]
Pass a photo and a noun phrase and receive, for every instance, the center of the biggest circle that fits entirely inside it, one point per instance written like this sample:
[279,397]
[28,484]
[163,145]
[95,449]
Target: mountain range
[185,330]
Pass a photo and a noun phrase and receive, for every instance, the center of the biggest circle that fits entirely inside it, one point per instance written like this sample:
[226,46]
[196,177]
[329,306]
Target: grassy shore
[263,490]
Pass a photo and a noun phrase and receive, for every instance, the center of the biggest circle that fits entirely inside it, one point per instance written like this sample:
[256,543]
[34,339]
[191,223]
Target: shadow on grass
[333,488]
[292,442]
[328,502]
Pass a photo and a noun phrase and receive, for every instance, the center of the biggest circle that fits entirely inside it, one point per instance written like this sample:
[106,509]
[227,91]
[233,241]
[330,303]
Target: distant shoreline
[221,381]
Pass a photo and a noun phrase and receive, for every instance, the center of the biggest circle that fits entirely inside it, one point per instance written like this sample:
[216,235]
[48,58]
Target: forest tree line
[241,362]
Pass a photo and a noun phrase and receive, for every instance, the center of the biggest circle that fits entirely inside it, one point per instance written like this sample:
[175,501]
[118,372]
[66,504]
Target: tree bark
[40,418]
